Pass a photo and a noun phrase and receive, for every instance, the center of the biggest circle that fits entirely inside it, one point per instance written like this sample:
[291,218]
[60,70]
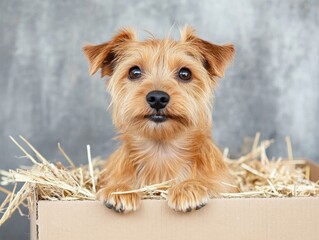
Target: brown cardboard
[241,218]
[314,171]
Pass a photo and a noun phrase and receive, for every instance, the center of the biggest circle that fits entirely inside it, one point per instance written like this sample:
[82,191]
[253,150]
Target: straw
[49,181]
[66,156]
[88,147]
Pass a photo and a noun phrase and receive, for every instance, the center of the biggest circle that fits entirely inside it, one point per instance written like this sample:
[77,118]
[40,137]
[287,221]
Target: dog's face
[160,88]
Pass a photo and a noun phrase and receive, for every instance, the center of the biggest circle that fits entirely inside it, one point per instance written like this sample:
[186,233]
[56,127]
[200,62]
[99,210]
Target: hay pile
[255,174]
[48,181]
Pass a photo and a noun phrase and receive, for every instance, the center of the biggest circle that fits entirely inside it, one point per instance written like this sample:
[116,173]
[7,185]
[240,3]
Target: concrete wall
[47,95]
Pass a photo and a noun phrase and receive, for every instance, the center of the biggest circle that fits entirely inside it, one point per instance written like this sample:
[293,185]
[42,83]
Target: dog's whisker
[109,106]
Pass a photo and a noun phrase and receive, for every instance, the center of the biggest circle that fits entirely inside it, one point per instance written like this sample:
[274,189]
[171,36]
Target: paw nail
[189,209]
[108,205]
[120,210]
[198,207]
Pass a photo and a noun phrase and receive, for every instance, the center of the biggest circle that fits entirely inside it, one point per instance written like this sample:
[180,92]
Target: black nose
[157,99]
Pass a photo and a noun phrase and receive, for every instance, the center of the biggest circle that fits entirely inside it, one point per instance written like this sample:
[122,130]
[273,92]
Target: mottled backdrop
[47,95]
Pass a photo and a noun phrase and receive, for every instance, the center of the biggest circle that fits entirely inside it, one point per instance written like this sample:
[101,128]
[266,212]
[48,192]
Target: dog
[162,94]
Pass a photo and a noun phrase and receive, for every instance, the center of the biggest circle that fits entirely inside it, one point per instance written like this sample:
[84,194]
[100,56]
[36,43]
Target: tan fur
[181,147]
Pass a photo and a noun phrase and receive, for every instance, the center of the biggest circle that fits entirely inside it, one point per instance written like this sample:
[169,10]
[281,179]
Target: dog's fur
[180,148]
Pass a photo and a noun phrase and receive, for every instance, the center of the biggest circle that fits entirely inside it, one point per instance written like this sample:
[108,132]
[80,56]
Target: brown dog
[162,107]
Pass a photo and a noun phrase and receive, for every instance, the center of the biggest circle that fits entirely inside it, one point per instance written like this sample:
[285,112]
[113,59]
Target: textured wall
[47,95]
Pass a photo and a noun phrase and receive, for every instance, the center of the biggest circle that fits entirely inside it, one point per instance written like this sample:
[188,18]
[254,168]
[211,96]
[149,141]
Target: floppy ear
[215,57]
[105,55]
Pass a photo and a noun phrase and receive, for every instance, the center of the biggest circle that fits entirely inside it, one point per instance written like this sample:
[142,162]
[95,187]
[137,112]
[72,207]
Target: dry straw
[255,176]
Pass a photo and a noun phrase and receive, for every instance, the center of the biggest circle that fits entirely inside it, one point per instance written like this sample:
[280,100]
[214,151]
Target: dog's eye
[185,74]
[134,73]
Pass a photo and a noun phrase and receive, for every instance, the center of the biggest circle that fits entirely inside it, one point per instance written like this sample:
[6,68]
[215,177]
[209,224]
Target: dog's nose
[157,99]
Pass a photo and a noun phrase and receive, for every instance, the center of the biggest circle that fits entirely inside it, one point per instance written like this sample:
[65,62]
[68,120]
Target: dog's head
[160,88]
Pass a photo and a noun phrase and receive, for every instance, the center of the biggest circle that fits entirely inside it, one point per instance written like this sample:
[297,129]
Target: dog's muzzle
[157,101]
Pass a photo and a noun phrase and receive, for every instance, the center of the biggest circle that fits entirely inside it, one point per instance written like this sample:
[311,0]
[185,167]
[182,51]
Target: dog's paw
[187,196]
[121,203]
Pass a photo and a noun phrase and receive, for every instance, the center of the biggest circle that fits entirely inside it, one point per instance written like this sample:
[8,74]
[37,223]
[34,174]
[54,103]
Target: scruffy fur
[180,148]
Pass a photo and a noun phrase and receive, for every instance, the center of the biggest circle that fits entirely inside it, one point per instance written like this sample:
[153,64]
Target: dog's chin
[158,126]
[157,118]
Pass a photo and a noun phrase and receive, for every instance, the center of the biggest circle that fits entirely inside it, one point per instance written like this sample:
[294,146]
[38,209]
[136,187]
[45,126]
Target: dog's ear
[215,57]
[105,55]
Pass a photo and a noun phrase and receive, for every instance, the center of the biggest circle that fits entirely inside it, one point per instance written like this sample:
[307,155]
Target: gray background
[47,95]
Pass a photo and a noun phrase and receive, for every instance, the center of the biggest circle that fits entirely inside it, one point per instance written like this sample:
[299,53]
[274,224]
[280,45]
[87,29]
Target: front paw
[121,203]
[188,196]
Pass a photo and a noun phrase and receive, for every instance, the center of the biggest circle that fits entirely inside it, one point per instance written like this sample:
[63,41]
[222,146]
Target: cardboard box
[241,218]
